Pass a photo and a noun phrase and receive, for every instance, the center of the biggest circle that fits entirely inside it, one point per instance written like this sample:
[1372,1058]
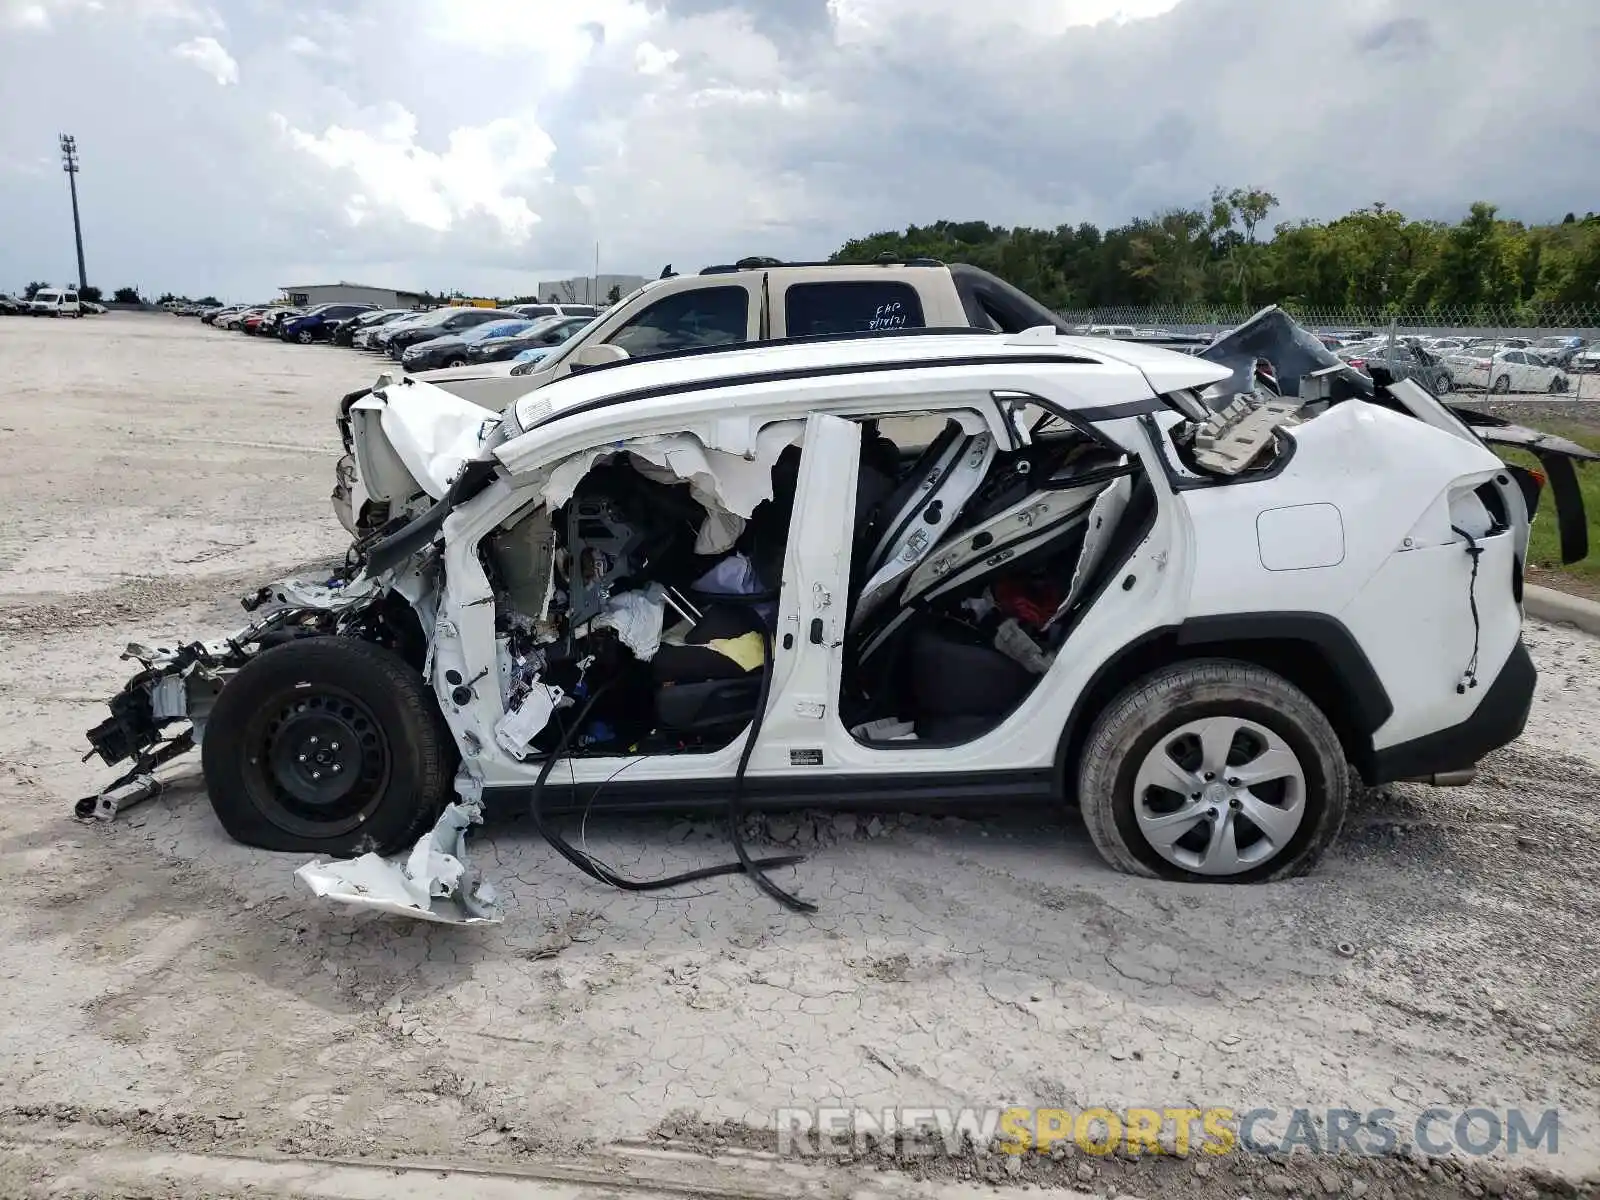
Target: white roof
[1106,372]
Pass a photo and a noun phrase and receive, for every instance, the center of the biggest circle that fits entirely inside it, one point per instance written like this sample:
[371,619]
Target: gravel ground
[177,1018]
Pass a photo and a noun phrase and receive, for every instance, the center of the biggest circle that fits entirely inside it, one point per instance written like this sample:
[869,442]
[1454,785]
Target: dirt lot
[176,1018]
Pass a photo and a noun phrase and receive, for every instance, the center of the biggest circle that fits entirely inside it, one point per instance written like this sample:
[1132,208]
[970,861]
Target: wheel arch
[1313,651]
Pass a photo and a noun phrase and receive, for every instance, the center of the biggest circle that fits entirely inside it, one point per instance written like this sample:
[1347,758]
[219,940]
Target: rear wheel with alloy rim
[326,744]
[1213,770]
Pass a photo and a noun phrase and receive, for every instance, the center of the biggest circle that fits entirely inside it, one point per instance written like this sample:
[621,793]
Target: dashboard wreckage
[884,569]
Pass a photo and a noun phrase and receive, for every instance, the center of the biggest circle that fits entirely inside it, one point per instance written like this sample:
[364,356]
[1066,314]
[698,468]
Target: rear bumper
[1498,720]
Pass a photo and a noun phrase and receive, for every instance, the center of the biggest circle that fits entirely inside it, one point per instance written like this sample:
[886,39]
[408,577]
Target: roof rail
[914,331]
[758,263]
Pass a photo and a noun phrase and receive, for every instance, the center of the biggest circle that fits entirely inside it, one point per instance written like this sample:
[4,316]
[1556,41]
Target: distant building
[304,295]
[588,289]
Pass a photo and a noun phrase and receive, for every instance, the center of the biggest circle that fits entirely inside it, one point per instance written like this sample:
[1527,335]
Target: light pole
[69,164]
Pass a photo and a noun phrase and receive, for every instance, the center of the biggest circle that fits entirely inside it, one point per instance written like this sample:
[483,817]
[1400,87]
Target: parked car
[438,323]
[378,338]
[542,335]
[450,349]
[533,311]
[816,573]
[344,333]
[318,324]
[1407,358]
[1505,371]
[55,302]
[756,299]
[1586,360]
[236,318]
[272,321]
[92,308]
[11,306]
[1558,350]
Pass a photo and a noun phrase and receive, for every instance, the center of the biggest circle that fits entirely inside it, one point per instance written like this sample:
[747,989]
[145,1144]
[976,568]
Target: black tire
[1502,384]
[304,337]
[456,362]
[1160,704]
[394,774]
[1557,385]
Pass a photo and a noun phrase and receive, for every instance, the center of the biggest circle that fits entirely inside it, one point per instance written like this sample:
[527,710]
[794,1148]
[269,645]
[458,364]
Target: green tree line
[1225,254]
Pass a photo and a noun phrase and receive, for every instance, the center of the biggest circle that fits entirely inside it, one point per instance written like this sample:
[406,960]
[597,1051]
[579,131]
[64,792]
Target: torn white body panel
[719,480]
[431,431]
[432,883]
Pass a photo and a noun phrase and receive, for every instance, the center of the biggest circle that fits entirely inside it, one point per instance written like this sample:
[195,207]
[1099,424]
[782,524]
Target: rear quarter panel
[1406,605]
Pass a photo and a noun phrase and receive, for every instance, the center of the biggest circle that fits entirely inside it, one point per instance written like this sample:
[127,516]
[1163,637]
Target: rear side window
[716,316]
[856,306]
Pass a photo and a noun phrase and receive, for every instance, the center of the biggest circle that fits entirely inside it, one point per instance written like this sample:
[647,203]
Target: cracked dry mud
[166,991]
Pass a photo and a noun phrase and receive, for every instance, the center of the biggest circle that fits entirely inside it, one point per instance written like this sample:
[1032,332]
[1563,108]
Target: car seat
[911,520]
[710,681]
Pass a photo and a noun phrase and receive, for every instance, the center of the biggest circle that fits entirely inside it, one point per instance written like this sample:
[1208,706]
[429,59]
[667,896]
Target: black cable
[1469,677]
[602,873]
[735,808]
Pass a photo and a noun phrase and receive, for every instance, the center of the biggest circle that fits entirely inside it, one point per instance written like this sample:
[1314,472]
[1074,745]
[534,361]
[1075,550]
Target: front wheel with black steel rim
[1213,770]
[327,745]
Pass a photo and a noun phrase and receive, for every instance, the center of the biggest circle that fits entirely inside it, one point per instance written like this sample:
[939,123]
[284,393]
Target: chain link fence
[1519,351]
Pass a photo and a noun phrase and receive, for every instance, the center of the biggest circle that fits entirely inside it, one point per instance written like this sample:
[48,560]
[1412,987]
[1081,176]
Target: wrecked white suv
[889,571]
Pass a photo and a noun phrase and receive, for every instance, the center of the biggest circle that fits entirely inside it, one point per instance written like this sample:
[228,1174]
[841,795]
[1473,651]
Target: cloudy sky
[235,145]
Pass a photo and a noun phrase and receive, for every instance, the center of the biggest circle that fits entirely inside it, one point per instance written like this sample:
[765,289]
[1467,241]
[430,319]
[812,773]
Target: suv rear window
[855,306]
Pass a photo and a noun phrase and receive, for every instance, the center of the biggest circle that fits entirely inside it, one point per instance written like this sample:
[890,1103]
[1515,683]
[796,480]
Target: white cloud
[477,172]
[209,55]
[463,143]
[25,16]
[651,59]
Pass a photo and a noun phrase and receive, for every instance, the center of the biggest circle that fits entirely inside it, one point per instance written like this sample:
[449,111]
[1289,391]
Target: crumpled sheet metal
[432,431]
[1293,351]
[432,883]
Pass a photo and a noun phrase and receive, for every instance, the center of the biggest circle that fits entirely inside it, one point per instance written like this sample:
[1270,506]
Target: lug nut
[1231,782]
[337,768]
[302,758]
[333,745]
[1235,803]
[316,774]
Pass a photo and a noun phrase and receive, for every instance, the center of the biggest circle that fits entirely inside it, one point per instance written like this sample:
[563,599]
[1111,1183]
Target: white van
[48,302]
